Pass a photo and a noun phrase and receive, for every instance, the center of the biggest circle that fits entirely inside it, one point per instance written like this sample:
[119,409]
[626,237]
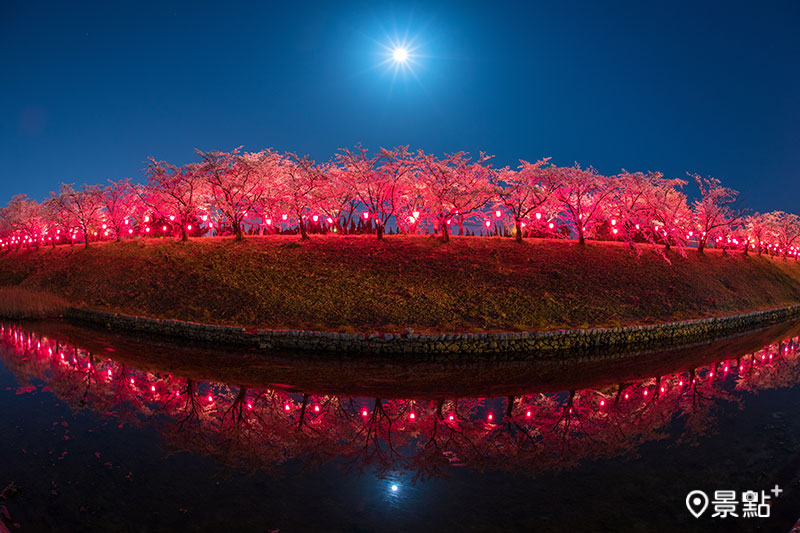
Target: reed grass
[19,302]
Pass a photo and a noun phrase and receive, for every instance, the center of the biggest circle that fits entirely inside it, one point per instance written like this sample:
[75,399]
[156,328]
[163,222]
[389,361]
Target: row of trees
[400,191]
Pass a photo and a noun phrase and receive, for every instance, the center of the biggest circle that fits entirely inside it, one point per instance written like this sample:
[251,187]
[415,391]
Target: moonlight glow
[400,54]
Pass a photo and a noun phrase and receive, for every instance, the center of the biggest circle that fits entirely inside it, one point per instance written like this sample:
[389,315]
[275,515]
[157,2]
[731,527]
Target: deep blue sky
[88,92]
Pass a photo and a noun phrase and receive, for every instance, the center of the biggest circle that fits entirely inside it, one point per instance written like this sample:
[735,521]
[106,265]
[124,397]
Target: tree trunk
[701,246]
[379,231]
[237,230]
[303,232]
[445,233]
[518,225]
[303,410]
[184,234]
[509,406]
[581,238]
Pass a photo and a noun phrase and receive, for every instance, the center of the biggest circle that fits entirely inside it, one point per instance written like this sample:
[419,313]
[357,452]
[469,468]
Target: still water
[102,432]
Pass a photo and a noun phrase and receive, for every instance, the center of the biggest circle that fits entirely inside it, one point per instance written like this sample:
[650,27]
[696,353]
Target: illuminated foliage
[377,181]
[714,211]
[83,206]
[397,191]
[119,202]
[174,194]
[453,188]
[523,193]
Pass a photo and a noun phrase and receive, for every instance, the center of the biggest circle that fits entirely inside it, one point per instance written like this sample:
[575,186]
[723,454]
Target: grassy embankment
[340,283]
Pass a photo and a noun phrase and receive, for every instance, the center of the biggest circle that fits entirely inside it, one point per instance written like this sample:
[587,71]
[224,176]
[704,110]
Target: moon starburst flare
[400,56]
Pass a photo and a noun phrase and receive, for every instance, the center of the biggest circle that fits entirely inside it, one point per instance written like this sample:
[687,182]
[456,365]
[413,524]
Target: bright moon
[400,55]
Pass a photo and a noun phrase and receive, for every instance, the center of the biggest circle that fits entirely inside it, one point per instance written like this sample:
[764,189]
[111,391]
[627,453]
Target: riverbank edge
[561,344]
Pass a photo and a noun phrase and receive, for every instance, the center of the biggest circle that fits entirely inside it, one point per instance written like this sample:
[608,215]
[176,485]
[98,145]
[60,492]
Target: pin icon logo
[697,502]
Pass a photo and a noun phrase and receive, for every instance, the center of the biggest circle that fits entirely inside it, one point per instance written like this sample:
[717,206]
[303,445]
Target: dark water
[106,433]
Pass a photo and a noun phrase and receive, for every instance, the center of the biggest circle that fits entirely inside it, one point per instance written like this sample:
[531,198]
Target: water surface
[107,432]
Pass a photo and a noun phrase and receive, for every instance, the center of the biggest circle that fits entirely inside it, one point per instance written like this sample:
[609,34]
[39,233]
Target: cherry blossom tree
[119,202]
[714,212]
[787,230]
[410,212]
[524,191]
[83,205]
[670,213]
[583,195]
[454,186]
[337,200]
[61,219]
[377,180]
[25,217]
[628,209]
[236,182]
[759,228]
[175,192]
[271,200]
[302,180]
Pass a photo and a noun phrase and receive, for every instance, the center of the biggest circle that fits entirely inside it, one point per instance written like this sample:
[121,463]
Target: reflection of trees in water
[260,428]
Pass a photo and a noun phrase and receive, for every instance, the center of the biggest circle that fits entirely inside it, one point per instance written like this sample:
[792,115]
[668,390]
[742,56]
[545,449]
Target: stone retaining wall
[541,344]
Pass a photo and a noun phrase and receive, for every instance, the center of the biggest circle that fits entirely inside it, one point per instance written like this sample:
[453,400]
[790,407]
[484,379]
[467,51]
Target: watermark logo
[697,502]
[726,503]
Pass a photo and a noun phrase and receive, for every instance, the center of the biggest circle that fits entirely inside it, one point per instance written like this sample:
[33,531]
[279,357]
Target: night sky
[88,92]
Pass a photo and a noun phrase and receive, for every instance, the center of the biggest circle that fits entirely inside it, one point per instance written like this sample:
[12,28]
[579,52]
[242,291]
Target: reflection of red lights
[586,404]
